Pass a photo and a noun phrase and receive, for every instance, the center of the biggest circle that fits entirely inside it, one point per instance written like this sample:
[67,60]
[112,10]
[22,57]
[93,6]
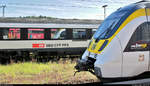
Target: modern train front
[104,55]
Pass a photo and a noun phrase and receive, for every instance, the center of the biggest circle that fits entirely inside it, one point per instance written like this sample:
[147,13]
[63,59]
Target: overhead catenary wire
[80,4]
[99,4]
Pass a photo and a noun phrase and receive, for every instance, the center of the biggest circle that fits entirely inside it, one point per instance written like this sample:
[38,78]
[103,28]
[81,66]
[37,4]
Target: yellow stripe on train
[96,46]
[134,15]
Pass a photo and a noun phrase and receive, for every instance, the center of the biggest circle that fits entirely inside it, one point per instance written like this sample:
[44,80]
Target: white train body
[122,49]
[18,40]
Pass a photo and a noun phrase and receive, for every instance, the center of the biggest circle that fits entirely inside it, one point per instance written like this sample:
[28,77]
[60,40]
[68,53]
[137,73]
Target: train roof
[139,5]
[48,25]
[134,6]
[143,4]
[16,22]
[48,20]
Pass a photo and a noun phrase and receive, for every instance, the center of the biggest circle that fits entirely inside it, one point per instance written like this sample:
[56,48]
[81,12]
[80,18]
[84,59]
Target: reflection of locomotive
[14,33]
[120,46]
[20,39]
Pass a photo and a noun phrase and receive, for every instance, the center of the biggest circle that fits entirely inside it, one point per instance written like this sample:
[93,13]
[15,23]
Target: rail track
[141,80]
[138,82]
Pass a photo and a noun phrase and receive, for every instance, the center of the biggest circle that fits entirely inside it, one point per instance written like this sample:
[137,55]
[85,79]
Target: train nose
[88,65]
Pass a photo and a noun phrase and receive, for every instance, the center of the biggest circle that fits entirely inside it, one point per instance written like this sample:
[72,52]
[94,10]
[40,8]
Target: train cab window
[11,33]
[140,39]
[58,33]
[35,33]
[79,33]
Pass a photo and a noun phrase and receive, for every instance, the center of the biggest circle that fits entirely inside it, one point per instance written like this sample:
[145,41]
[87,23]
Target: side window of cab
[140,39]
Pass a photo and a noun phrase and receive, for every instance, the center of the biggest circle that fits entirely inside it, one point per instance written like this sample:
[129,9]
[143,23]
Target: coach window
[140,39]
[11,33]
[93,31]
[79,33]
[47,33]
[35,33]
[58,33]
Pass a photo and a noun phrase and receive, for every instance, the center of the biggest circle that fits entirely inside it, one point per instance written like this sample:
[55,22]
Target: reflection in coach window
[35,33]
[58,33]
[79,33]
[10,33]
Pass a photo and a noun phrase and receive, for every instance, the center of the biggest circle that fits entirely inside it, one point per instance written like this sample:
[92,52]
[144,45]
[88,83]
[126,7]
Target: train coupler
[85,65]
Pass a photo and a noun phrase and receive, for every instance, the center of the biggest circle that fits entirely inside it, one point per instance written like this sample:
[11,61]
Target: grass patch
[40,73]
[23,68]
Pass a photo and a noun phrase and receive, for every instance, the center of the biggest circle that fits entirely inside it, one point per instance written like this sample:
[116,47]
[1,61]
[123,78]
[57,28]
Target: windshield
[108,25]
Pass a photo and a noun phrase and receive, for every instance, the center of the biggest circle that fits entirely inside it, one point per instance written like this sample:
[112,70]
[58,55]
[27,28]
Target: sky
[67,9]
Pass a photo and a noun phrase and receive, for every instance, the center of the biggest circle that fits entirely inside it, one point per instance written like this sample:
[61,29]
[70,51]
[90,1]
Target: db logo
[41,45]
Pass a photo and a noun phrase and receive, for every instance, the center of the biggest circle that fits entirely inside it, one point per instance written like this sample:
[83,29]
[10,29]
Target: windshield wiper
[107,31]
[96,40]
